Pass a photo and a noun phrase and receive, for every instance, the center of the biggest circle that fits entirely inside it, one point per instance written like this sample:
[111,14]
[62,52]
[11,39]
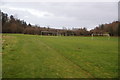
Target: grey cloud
[68,14]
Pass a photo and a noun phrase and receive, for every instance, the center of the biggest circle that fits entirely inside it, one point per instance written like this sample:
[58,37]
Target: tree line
[111,28]
[14,25]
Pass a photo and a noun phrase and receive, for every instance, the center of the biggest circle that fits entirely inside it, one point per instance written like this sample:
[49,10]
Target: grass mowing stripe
[92,53]
[33,56]
[49,47]
[84,71]
[29,58]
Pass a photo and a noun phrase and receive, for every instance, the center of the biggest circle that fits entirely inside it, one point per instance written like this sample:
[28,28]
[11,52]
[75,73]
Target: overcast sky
[63,14]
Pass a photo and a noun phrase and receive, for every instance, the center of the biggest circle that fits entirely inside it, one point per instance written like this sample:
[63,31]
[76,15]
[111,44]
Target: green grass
[35,56]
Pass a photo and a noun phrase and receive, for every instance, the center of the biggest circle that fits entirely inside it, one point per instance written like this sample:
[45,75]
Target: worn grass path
[33,56]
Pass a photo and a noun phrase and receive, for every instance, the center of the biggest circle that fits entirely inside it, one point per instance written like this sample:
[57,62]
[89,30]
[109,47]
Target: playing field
[35,56]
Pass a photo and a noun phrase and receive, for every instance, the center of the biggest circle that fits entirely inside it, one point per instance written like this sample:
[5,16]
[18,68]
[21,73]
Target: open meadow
[35,56]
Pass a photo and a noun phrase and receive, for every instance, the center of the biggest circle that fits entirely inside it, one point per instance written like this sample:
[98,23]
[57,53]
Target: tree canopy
[13,25]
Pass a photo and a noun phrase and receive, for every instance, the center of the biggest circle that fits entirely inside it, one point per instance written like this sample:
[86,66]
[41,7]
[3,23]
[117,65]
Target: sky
[75,14]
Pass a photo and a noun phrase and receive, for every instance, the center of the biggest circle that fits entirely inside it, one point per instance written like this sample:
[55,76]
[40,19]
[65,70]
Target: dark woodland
[14,25]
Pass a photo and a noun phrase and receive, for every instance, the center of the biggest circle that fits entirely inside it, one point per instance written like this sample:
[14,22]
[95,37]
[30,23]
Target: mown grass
[34,56]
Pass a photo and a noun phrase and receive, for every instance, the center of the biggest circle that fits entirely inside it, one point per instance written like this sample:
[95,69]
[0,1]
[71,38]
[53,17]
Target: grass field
[34,56]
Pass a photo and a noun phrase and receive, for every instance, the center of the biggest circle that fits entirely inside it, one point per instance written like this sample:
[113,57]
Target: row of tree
[13,25]
[111,28]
